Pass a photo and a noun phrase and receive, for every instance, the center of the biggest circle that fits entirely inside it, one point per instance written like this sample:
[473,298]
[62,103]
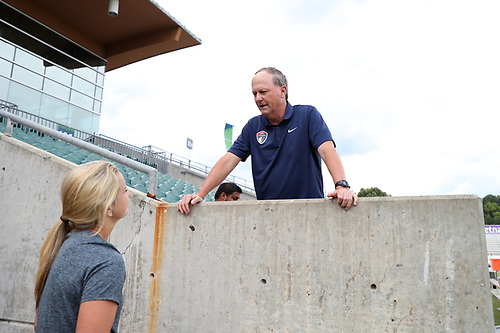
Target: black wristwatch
[342,183]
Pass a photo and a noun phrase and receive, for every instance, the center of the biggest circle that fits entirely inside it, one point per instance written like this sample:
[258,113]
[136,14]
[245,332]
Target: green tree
[491,209]
[372,192]
[492,198]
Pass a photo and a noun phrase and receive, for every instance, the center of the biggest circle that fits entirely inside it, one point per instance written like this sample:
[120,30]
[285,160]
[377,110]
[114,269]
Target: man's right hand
[183,204]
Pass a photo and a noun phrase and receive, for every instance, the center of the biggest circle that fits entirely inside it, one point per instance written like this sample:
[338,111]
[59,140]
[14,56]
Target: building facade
[54,54]
[48,75]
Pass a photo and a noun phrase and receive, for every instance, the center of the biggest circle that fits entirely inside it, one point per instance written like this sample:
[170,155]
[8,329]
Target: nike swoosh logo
[291,130]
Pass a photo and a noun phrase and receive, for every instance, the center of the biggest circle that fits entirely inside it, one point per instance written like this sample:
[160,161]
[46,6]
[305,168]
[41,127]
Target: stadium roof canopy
[141,30]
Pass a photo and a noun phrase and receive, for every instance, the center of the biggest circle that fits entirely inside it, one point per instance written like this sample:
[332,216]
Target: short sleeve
[241,147]
[105,281]
[318,130]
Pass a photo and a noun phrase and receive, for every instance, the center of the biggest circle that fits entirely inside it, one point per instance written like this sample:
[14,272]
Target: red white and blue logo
[261,137]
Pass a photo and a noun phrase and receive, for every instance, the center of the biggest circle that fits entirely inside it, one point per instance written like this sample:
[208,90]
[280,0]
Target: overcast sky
[409,89]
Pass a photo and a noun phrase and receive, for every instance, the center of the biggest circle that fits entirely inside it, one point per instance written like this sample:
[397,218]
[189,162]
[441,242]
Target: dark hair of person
[228,188]
[279,78]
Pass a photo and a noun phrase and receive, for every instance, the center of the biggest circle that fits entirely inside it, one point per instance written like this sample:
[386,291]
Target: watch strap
[342,183]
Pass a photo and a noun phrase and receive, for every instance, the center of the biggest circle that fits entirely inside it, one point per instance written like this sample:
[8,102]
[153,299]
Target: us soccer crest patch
[261,137]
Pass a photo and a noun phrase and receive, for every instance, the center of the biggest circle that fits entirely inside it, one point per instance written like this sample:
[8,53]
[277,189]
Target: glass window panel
[56,89]
[7,50]
[59,75]
[101,69]
[100,79]
[98,93]
[25,76]
[80,119]
[4,88]
[29,61]
[97,106]
[27,99]
[95,123]
[5,67]
[81,100]
[87,73]
[54,109]
[83,86]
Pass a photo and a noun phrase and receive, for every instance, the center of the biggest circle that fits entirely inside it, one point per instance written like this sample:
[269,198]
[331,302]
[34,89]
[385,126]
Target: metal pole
[9,128]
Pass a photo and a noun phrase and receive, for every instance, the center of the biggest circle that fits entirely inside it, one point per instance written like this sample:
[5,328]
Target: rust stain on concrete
[154,297]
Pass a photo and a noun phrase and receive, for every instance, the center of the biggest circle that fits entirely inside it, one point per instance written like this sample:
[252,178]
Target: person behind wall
[228,192]
[80,275]
[287,143]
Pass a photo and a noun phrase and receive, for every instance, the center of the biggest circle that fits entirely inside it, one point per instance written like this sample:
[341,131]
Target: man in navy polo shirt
[287,144]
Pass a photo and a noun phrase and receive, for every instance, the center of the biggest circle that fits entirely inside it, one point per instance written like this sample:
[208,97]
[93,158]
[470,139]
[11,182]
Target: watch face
[342,183]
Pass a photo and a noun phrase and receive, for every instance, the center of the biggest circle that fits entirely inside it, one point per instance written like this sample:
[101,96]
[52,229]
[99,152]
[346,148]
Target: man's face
[269,98]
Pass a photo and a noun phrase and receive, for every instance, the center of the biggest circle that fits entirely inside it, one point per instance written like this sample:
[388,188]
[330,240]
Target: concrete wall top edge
[361,200]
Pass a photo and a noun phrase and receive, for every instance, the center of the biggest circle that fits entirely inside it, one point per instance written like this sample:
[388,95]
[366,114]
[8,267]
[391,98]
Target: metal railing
[160,159]
[150,156]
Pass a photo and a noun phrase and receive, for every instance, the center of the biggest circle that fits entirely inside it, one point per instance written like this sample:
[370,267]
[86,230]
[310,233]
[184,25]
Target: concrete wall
[407,264]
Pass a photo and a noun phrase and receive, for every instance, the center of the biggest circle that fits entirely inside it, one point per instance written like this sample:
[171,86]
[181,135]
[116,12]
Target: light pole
[189,145]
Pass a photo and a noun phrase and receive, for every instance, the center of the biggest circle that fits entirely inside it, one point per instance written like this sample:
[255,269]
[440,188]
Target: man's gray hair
[279,78]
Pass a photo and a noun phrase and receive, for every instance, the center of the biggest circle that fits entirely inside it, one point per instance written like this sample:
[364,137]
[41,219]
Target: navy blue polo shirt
[285,159]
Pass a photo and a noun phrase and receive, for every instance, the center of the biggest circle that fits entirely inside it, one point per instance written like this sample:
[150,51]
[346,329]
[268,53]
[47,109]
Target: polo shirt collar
[288,114]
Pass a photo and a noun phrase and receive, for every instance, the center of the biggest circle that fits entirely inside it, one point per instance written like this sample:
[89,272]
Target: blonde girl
[80,275]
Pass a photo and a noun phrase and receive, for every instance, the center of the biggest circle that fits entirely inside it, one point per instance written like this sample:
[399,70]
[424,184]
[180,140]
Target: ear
[283,91]
[223,196]
[109,212]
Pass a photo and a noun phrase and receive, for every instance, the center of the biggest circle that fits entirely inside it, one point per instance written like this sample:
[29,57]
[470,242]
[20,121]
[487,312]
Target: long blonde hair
[87,191]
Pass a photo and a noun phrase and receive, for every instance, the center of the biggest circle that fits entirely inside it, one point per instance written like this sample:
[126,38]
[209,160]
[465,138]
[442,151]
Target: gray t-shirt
[86,268]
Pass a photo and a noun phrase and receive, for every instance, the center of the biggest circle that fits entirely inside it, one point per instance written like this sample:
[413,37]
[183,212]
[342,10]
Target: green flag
[228,136]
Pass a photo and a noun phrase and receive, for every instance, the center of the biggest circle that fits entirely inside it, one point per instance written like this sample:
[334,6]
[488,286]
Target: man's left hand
[345,197]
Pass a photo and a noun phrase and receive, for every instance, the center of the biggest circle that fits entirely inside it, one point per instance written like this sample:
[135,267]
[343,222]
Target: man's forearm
[344,196]
[219,172]
[332,161]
